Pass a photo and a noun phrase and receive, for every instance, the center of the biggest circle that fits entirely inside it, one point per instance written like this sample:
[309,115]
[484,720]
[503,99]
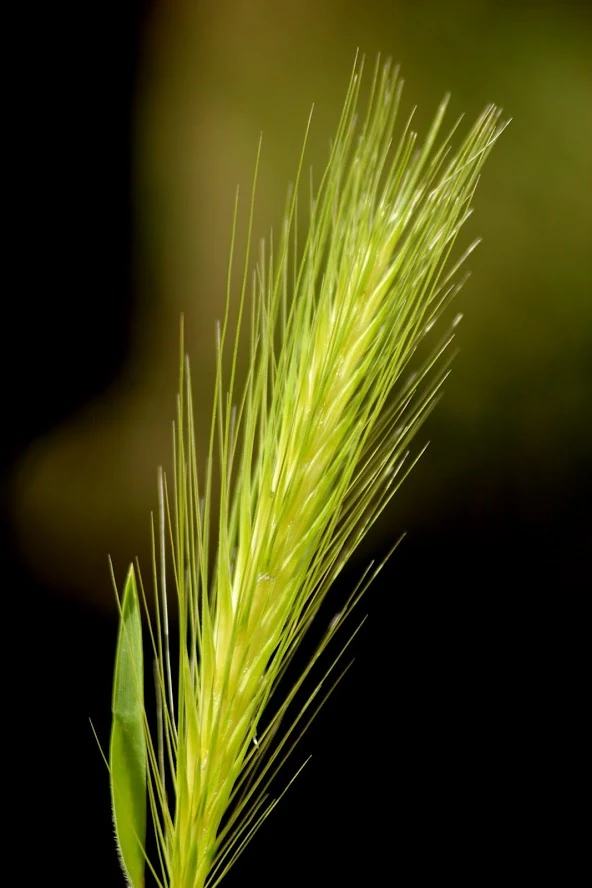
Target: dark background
[453,746]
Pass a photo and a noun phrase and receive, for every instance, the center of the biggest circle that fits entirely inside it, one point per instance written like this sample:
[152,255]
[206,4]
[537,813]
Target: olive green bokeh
[214,75]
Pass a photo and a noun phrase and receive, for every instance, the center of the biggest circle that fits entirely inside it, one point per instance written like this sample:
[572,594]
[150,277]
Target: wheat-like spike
[307,455]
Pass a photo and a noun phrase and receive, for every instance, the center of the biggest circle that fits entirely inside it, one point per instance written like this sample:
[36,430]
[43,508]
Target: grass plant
[302,459]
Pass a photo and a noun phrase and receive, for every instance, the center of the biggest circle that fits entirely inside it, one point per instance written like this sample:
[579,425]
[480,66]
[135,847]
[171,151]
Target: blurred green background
[452,746]
[512,435]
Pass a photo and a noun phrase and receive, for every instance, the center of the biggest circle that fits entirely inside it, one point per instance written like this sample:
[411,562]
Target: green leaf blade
[127,754]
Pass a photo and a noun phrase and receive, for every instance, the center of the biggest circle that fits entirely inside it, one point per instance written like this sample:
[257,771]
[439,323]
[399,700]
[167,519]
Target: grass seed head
[308,458]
